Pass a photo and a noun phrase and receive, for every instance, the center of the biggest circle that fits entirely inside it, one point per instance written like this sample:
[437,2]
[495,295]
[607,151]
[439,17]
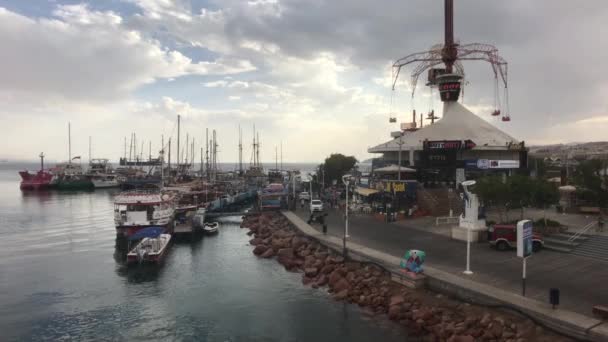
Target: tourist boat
[137,209]
[40,180]
[211,228]
[151,249]
[69,176]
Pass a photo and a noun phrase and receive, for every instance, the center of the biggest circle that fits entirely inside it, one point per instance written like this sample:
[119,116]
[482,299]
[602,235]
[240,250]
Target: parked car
[504,236]
[316,206]
[304,196]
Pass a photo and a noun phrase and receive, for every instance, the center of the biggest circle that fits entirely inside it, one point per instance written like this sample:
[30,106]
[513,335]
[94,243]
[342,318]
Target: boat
[102,175]
[40,180]
[211,228]
[137,209]
[70,176]
[152,247]
[101,181]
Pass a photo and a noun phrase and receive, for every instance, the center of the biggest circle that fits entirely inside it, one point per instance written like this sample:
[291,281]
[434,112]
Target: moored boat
[152,248]
[40,180]
[211,228]
[105,181]
[137,209]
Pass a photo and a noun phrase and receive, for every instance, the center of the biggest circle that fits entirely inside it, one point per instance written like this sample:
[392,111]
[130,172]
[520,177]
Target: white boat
[211,228]
[134,210]
[105,181]
[149,250]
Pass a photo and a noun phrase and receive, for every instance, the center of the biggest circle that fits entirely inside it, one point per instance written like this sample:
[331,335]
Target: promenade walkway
[583,282]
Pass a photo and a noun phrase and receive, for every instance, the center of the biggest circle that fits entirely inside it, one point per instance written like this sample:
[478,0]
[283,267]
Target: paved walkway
[583,282]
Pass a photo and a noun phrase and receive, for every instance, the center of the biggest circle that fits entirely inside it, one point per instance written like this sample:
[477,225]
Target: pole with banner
[524,248]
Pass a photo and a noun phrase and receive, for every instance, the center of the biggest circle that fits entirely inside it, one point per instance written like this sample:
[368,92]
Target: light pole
[346,181]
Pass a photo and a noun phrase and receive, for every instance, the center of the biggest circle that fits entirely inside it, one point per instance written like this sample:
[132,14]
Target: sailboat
[71,176]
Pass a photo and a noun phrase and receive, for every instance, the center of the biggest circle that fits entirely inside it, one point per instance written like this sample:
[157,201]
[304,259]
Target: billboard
[484,164]
[524,238]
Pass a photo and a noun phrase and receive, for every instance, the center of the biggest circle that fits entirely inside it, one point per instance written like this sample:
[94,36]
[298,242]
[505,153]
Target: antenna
[69,143]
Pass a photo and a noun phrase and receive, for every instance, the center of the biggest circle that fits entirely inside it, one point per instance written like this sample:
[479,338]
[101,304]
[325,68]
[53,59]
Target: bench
[601,311]
[589,210]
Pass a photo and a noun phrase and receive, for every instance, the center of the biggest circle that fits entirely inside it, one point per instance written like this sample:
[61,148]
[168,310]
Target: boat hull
[100,184]
[127,231]
[152,258]
[41,180]
[74,185]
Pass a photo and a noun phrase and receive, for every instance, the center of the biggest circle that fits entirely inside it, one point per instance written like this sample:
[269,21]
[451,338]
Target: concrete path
[380,247]
[583,282]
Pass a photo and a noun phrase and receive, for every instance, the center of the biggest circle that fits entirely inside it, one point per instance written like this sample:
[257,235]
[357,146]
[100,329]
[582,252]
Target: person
[600,223]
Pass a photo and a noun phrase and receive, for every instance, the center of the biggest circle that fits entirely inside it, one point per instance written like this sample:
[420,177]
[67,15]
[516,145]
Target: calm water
[61,278]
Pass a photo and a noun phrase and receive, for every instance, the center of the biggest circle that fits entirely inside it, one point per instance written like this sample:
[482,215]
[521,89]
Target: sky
[312,75]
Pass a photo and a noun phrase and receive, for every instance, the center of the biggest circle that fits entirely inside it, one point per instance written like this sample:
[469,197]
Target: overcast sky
[312,74]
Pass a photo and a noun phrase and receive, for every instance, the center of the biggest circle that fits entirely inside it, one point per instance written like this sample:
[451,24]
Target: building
[459,146]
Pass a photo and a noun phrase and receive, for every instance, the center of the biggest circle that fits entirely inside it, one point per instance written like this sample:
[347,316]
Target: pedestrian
[600,223]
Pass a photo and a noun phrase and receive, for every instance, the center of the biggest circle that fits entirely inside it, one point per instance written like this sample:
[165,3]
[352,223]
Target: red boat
[36,181]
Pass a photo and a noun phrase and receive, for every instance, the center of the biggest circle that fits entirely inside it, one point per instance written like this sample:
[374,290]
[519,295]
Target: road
[582,281]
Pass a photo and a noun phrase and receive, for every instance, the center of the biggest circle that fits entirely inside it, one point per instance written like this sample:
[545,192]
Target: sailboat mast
[240,150]
[276,158]
[89,149]
[125,156]
[281,154]
[207,152]
[69,143]
[178,127]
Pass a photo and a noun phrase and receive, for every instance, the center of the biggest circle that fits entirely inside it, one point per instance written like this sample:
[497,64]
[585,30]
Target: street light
[346,180]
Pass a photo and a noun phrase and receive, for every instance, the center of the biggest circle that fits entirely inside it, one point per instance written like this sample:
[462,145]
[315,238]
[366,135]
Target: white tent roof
[458,123]
[394,168]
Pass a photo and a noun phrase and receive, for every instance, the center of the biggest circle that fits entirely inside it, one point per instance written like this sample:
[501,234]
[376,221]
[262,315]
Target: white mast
[69,143]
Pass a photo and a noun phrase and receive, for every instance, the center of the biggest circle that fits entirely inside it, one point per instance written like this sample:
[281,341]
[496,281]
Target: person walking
[600,223]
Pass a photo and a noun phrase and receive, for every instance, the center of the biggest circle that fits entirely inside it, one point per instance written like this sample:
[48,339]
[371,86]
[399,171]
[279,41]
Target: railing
[582,231]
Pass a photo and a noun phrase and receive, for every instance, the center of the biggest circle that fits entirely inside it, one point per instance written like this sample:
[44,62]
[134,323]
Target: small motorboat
[152,247]
[211,228]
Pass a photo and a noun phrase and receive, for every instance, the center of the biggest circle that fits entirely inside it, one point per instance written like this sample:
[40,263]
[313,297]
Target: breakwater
[422,313]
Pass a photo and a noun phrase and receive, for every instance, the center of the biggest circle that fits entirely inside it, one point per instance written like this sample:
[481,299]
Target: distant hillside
[596,149]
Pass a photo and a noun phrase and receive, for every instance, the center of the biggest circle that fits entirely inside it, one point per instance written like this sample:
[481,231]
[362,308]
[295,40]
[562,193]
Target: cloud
[86,55]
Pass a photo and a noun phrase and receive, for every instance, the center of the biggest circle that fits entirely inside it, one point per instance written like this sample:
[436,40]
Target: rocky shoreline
[424,314]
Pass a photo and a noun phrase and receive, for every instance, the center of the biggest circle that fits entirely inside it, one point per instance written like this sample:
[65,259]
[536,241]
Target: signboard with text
[484,164]
[524,238]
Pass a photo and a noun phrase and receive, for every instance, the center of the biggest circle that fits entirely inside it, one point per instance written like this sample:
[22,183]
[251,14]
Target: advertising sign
[484,164]
[524,238]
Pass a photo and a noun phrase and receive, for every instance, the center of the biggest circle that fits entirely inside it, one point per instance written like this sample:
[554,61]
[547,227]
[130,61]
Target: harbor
[153,183]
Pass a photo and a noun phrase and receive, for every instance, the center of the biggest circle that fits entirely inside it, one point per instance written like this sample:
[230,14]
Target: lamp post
[346,181]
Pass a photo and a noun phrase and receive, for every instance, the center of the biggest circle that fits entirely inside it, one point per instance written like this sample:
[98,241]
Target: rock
[307,280]
[259,249]
[396,300]
[393,312]
[304,253]
[311,271]
[461,338]
[327,269]
[269,253]
[298,241]
[485,320]
[341,284]
[286,253]
[250,232]
[322,280]
[309,261]
[334,277]
[341,295]
[321,255]
[350,276]
[255,241]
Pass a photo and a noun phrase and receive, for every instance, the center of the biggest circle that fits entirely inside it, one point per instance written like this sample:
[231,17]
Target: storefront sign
[449,144]
[484,164]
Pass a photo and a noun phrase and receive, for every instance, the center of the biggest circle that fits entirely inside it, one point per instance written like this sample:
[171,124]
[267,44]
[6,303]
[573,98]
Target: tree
[590,177]
[335,166]
[543,195]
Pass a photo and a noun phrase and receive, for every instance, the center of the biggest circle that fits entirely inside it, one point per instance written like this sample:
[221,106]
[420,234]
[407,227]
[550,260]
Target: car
[504,237]
[304,196]
[316,206]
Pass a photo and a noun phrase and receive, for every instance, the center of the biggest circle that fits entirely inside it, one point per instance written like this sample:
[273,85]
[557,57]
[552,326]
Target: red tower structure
[450,54]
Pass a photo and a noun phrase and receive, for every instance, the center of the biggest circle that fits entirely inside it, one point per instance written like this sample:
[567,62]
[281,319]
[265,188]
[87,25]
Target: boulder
[341,284]
[322,280]
[285,253]
[461,338]
[269,253]
[327,269]
[334,277]
[260,249]
[393,312]
[298,241]
[396,300]
[321,255]
[341,295]
[255,241]
[307,280]
[311,271]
